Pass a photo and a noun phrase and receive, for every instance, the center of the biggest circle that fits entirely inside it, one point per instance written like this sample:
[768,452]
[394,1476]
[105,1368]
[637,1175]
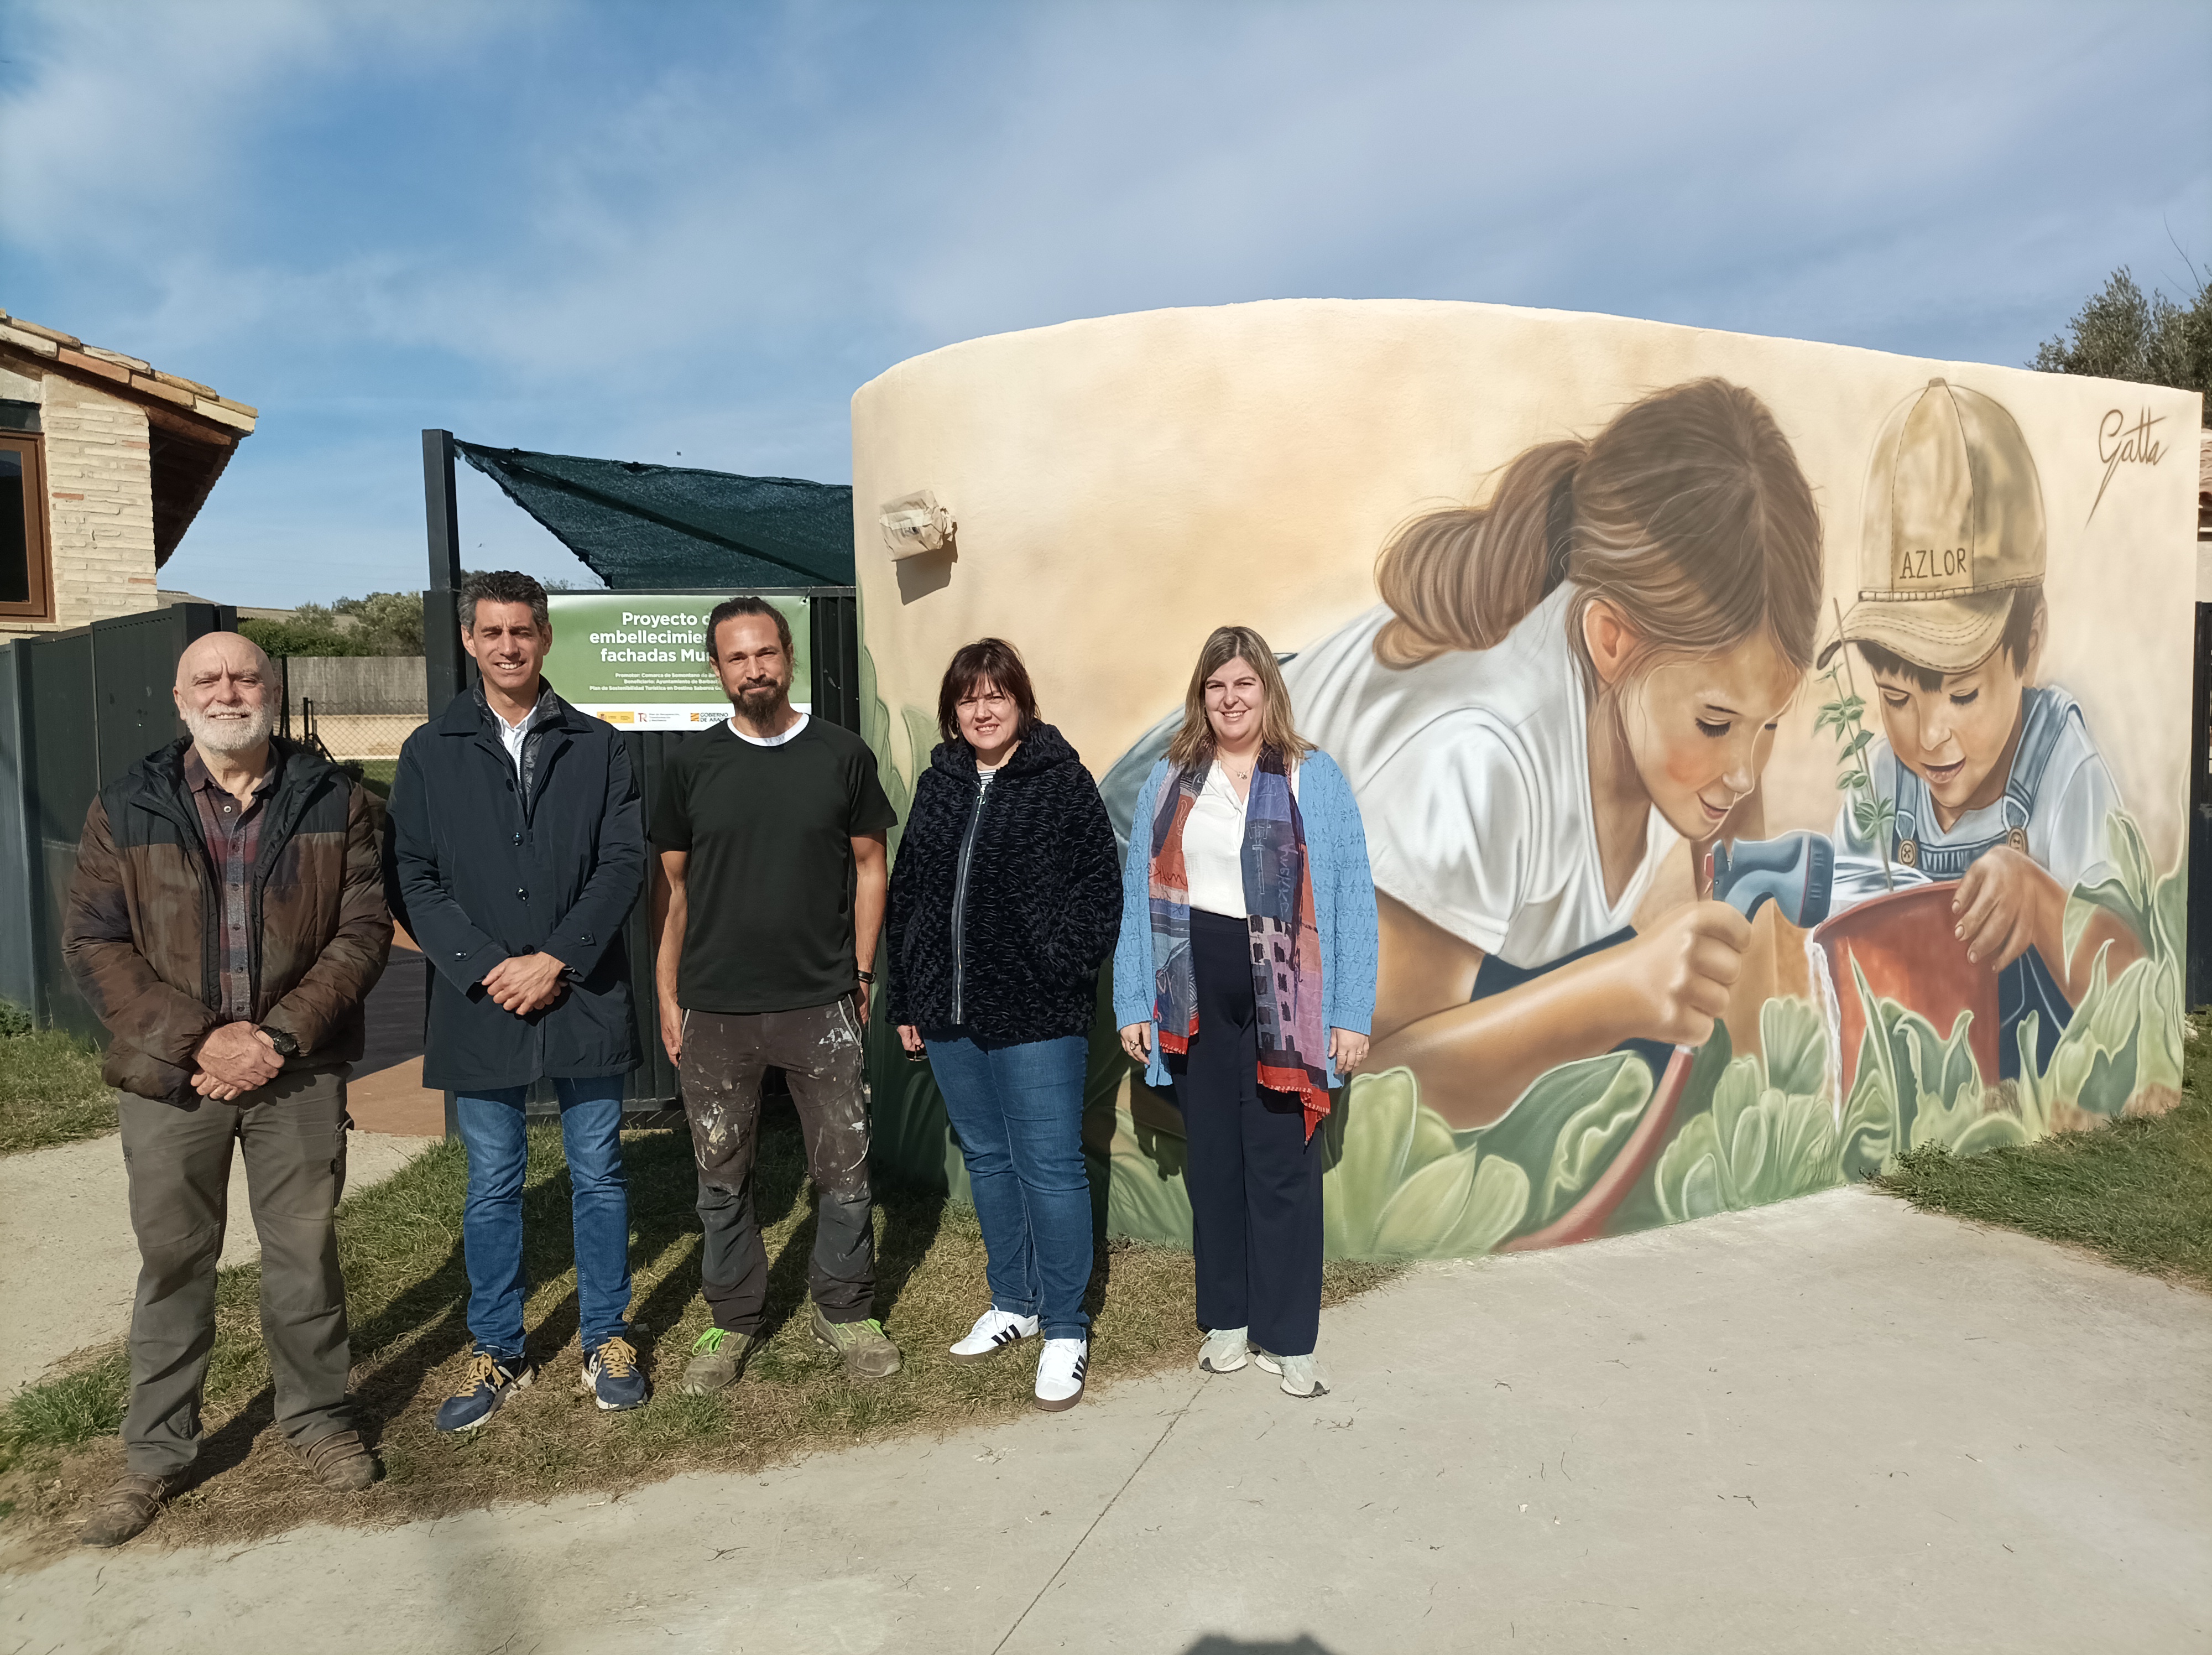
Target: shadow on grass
[412,1333]
[408,1291]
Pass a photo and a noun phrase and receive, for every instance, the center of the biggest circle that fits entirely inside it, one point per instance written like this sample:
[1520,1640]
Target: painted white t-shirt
[2066,823]
[791,734]
[1213,845]
[1472,770]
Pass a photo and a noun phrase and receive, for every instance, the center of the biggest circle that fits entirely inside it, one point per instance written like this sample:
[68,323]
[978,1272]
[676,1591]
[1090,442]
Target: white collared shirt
[1213,845]
[512,736]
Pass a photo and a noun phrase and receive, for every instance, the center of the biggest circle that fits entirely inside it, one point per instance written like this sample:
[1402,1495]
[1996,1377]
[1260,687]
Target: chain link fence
[356,708]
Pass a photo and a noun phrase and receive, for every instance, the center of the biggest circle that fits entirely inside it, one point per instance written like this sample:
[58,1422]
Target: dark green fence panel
[80,707]
[64,768]
[18,977]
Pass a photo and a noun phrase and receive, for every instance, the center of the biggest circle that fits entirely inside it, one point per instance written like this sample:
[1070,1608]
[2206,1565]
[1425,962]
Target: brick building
[104,462]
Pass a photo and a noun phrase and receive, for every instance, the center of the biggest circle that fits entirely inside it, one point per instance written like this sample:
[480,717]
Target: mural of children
[1993,780]
[1558,686]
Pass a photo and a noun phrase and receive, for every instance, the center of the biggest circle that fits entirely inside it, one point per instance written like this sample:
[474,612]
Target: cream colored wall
[100,485]
[1123,485]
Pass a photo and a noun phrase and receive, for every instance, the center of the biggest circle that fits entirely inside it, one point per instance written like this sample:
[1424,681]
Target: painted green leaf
[1800,1146]
[1933,1086]
[1456,1207]
[2170,917]
[1996,1129]
[1795,1042]
[1566,1128]
[1754,1145]
[2122,1037]
[2154,910]
[1590,1138]
[1867,1135]
[921,735]
[1387,1136]
[1691,1180]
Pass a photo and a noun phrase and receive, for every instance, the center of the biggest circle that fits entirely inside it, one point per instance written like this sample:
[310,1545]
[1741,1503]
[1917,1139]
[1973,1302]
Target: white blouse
[1213,845]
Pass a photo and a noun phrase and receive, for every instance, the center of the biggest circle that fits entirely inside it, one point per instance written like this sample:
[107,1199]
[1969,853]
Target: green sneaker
[866,1353]
[717,1358]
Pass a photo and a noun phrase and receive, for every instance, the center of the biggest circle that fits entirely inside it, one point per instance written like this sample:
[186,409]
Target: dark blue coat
[477,872]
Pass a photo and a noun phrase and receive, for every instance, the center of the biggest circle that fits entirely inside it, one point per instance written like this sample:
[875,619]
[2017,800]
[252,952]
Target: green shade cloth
[637,526]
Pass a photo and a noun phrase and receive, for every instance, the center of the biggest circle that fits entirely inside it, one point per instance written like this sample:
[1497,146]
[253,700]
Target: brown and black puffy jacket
[142,936]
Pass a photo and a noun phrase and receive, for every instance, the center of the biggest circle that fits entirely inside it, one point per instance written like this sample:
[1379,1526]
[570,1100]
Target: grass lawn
[51,1092]
[2139,1192]
[408,1292]
[376,774]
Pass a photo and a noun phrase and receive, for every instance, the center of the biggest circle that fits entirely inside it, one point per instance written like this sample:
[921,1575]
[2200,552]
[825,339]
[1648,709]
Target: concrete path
[70,1264]
[1834,1425]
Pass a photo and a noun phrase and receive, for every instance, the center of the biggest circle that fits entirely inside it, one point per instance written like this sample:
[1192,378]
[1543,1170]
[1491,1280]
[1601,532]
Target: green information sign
[641,658]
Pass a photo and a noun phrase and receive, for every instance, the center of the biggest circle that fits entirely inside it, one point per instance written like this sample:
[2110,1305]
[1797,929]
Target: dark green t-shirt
[770,831]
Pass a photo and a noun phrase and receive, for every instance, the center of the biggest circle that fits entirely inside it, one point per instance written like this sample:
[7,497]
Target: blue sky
[651,229]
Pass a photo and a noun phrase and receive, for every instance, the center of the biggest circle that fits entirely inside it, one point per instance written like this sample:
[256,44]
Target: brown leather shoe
[339,1462]
[125,1510]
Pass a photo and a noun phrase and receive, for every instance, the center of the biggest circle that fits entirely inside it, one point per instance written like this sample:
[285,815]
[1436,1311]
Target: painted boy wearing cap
[1993,780]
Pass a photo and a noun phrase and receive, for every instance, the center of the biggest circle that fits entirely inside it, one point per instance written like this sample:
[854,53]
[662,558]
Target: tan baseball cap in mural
[1953,526]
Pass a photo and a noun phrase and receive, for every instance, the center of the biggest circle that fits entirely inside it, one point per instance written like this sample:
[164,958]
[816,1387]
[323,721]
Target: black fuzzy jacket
[1043,902]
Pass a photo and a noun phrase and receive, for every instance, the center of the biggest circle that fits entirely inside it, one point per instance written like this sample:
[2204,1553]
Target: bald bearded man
[226,923]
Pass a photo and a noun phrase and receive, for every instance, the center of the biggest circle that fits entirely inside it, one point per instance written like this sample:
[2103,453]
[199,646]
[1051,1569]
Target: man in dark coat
[516,851]
[226,923]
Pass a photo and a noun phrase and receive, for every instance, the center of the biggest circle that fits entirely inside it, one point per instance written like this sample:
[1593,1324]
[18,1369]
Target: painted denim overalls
[2026,985]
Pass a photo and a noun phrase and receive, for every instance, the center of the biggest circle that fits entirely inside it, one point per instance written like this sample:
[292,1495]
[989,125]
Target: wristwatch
[283,1039]
[866,976]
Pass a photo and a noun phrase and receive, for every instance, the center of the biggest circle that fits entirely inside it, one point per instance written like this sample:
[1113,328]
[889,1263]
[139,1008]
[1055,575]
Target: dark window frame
[37,541]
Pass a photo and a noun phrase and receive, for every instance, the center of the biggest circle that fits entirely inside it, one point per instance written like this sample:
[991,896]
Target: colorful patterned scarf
[1279,898]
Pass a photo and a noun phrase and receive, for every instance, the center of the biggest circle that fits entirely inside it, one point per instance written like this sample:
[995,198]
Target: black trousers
[1254,1181]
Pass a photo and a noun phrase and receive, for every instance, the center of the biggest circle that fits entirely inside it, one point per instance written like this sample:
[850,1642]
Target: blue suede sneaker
[489,1382]
[612,1376]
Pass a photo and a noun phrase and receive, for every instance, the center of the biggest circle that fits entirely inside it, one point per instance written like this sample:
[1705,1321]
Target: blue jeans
[491,1223]
[1018,1109]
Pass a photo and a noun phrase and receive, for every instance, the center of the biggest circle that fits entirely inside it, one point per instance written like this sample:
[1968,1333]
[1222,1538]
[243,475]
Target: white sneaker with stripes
[993,1332]
[1060,1366]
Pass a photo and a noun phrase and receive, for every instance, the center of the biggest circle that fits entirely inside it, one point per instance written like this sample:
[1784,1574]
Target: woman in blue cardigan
[1245,980]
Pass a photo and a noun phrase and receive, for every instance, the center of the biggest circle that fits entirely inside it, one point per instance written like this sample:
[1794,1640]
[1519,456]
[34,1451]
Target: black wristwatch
[286,1045]
[865,977]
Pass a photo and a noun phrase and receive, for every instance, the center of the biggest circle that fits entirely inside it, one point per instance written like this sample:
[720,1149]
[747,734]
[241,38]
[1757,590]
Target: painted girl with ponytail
[1558,686]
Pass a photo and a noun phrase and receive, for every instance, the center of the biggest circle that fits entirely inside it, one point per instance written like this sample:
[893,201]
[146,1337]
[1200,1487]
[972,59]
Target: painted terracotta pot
[1907,944]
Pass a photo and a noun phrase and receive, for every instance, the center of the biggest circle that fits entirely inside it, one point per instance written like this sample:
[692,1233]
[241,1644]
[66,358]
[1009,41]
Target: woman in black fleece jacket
[1005,899]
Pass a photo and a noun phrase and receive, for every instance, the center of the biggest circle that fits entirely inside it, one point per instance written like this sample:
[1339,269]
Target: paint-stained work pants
[819,1049]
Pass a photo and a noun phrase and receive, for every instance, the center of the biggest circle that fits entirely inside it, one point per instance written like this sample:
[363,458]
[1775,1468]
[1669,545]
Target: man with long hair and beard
[226,923]
[771,832]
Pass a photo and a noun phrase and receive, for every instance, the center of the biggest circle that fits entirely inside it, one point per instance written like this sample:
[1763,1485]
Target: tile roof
[127,374]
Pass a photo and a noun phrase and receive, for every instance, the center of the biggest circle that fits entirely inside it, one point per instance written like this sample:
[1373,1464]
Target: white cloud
[641,231]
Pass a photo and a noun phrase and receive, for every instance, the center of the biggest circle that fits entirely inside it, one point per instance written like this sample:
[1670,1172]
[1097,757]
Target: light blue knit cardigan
[1344,907]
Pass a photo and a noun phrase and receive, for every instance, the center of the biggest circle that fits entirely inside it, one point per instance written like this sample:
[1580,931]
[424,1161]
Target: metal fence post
[445,664]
